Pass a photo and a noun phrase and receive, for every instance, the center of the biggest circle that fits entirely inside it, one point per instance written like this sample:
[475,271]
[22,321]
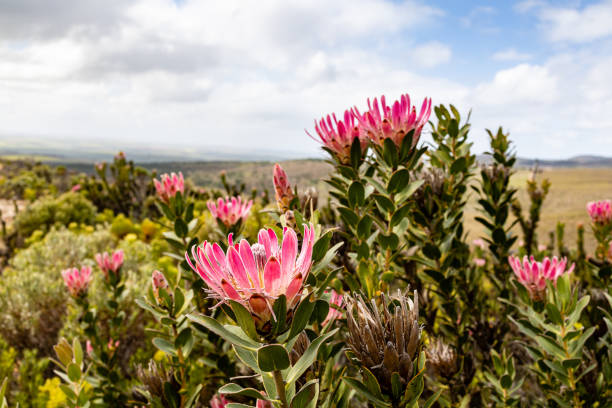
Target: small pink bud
[159,282]
[284,194]
[230,210]
[89,348]
[480,262]
[169,186]
[77,281]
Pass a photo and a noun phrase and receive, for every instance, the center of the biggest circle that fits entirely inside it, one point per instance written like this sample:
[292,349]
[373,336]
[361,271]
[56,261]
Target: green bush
[61,211]
[32,293]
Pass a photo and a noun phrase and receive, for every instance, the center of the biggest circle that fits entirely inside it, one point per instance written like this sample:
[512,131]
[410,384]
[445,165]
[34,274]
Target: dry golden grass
[571,189]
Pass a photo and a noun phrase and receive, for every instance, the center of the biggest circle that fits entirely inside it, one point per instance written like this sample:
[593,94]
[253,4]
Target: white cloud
[253,75]
[522,84]
[511,54]
[578,25]
[431,54]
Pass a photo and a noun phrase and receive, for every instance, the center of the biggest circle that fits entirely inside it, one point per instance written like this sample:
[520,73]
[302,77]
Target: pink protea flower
[395,121]
[169,185]
[263,404]
[338,135]
[159,282]
[478,242]
[219,401]
[110,263]
[230,210]
[256,275]
[533,274]
[600,211]
[75,188]
[335,299]
[77,281]
[284,193]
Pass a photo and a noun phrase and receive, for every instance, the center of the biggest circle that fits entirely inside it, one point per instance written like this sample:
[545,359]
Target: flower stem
[280,388]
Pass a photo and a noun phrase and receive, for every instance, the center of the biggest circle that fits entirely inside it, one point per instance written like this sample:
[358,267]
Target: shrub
[61,211]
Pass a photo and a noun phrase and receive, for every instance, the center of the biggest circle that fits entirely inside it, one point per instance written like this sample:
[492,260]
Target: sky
[250,76]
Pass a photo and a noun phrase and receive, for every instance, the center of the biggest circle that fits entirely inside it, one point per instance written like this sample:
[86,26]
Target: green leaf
[244,319]
[432,251]
[432,399]
[550,346]
[280,312]
[164,345]
[505,381]
[371,382]
[307,396]
[398,181]
[384,203]
[74,372]
[554,314]
[571,363]
[321,246]
[235,389]
[364,227]
[272,357]
[356,194]
[180,228]
[179,301]
[308,357]
[356,153]
[458,165]
[78,351]
[215,327]
[362,390]
[301,317]
[574,316]
[348,216]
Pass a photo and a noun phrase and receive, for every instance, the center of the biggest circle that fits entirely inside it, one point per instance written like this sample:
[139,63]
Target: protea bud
[110,263]
[441,358]
[335,300]
[299,348]
[600,211]
[385,335]
[159,282]
[169,185]
[284,193]
[77,281]
[533,275]
[153,379]
[230,211]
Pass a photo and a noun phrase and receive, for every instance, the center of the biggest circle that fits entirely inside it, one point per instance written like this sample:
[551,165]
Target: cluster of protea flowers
[533,275]
[282,188]
[441,358]
[600,211]
[256,275]
[77,281]
[169,185]
[378,123]
[230,210]
[384,341]
[110,264]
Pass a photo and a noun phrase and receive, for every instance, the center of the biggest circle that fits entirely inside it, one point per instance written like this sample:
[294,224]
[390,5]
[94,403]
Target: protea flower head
[533,274]
[338,135]
[77,281]
[600,211]
[230,210]
[159,281]
[442,358]
[169,185]
[110,263]
[256,275]
[284,193]
[335,299]
[393,122]
[385,336]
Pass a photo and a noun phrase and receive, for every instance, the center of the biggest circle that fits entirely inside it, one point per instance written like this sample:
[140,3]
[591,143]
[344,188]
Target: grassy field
[566,202]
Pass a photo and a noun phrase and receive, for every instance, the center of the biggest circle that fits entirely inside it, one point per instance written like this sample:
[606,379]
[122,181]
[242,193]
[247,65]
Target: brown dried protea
[385,335]
[154,377]
[441,358]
